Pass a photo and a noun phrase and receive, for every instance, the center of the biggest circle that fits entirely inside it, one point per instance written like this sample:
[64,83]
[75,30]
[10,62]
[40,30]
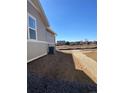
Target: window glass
[31,22]
[31,28]
[32,33]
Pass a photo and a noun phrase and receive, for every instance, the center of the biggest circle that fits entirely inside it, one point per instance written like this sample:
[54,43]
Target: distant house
[75,43]
[39,34]
[62,42]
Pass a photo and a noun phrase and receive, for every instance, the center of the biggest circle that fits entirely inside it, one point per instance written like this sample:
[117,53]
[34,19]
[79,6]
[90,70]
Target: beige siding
[39,47]
[36,49]
[41,29]
[50,39]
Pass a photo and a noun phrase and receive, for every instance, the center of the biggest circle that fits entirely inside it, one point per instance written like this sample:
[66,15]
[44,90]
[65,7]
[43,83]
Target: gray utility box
[51,50]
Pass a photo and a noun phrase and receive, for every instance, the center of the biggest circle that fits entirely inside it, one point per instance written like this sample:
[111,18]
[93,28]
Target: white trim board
[36,57]
[37,41]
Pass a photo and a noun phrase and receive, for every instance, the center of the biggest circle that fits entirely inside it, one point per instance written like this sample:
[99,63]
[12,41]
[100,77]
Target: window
[32,28]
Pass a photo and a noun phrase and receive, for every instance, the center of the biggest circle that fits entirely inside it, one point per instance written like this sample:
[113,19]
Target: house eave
[50,30]
[43,13]
[37,5]
[40,10]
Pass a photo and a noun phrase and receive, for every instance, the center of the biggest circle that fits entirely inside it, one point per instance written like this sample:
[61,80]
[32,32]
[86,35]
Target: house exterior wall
[39,47]
[51,39]
[41,32]
[36,49]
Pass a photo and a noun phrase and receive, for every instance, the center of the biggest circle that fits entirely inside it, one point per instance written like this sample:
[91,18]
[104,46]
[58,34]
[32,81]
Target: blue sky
[72,20]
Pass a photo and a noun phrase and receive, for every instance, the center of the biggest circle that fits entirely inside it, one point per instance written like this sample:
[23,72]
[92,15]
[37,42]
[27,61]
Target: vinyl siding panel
[41,30]
[39,47]
[50,38]
[36,49]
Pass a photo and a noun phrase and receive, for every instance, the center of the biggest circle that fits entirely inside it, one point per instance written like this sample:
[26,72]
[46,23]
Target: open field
[88,50]
[77,47]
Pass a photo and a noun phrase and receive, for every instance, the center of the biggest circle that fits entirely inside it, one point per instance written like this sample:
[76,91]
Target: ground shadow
[59,66]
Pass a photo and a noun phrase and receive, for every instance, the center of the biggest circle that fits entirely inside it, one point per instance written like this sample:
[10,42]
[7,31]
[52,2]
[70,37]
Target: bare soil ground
[59,66]
[85,63]
[77,47]
[88,50]
[87,57]
[92,55]
[60,73]
[42,84]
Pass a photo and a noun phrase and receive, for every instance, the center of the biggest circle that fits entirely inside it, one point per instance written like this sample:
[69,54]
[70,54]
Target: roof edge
[40,10]
[50,30]
[43,13]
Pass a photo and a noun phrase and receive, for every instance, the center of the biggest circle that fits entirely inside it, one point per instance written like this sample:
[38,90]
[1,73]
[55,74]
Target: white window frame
[29,15]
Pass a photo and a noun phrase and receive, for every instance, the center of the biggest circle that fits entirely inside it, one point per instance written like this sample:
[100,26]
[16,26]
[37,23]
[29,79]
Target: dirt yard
[92,55]
[77,47]
[70,70]
[88,50]
[59,66]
